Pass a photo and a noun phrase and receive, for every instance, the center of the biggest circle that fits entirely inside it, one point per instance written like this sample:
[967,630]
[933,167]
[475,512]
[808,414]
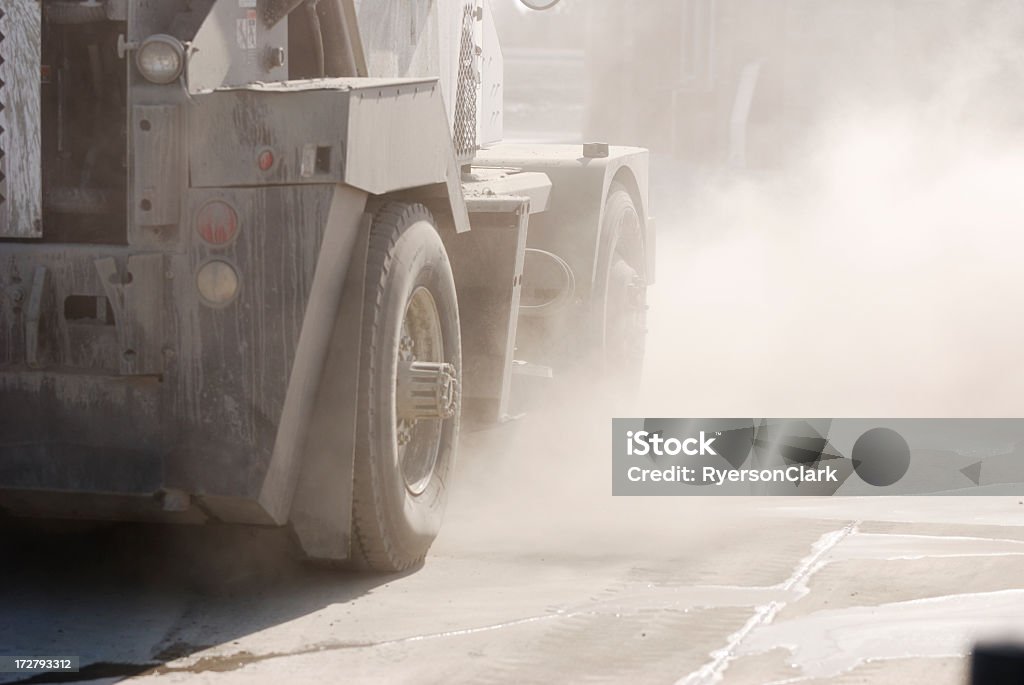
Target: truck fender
[323,339]
[321,509]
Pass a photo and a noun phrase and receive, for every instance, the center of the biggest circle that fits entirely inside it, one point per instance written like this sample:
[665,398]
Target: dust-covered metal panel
[396,138]
[492,88]
[444,38]
[300,130]
[233,47]
[158,180]
[20,148]
[403,39]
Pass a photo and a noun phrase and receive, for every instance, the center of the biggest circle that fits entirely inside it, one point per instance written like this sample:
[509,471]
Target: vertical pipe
[340,57]
[317,35]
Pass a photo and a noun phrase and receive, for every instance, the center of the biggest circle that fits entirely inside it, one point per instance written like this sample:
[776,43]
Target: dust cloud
[875,270]
[876,273]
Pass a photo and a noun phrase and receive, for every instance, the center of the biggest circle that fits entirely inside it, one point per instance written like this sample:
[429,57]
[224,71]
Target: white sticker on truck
[245,32]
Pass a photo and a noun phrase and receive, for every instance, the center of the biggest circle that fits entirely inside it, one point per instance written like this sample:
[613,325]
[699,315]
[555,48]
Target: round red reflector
[266,160]
[217,222]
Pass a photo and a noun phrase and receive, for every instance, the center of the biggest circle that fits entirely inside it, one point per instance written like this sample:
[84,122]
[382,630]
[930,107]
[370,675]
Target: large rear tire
[410,373]
[618,326]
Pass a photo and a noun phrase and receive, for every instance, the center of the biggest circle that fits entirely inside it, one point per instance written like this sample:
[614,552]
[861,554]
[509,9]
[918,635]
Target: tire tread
[376,547]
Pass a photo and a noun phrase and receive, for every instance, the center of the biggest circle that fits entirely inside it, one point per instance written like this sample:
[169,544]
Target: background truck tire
[618,313]
[410,315]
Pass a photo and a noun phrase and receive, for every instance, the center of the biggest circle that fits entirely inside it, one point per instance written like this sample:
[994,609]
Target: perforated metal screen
[464,130]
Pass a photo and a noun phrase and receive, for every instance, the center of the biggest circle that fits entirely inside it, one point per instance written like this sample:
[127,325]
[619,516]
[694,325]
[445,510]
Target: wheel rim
[418,439]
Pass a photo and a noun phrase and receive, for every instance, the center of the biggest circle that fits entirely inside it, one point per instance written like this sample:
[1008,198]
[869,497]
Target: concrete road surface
[794,592]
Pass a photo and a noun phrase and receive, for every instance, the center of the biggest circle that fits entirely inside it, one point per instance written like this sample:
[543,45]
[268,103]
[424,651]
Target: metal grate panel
[464,130]
[20,142]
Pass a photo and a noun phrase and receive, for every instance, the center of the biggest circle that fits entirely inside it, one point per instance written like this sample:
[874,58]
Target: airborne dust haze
[873,270]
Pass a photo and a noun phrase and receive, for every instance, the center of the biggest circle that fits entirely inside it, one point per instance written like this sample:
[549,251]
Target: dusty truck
[260,258]
[744,81]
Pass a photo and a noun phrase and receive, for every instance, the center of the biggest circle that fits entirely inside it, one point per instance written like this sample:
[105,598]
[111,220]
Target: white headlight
[161,58]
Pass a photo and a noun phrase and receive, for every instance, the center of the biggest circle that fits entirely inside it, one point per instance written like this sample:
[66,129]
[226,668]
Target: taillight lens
[265,160]
[217,282]
[217,223]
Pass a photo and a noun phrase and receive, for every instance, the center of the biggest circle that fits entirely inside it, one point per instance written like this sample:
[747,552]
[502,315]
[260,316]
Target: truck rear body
[117,375]
[182,259]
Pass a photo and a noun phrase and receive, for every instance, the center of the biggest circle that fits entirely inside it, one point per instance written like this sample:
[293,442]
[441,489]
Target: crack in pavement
[713,671]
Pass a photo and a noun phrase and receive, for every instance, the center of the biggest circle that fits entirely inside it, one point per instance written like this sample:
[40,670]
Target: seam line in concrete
[714,670]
